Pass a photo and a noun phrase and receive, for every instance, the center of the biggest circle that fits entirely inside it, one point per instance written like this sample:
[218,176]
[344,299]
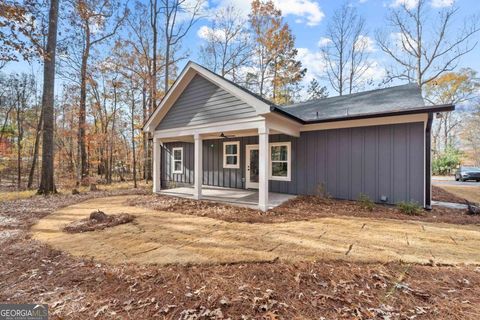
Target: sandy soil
[163,238]
[76,288]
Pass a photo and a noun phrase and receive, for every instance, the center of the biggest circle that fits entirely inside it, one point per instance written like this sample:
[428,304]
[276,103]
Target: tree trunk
[112,136]
[144,136]
[35,151]
[47,184]
[19,147]
[133,143]
[82,152]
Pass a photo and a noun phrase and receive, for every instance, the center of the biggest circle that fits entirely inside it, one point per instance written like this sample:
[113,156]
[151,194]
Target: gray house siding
[203,102]
[377,161]
[170,179]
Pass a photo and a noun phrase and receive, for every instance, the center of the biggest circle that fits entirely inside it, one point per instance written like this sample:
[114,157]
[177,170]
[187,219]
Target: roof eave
[286,114]
[429,109]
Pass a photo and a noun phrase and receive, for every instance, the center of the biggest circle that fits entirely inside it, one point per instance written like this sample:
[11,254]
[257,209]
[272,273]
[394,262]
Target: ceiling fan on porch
[225,136]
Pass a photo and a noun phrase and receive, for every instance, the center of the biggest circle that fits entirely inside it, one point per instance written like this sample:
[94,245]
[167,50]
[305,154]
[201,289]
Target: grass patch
[365,202]
[410,208]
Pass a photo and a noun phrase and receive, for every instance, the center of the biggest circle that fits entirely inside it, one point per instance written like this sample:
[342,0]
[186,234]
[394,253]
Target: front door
[251,167]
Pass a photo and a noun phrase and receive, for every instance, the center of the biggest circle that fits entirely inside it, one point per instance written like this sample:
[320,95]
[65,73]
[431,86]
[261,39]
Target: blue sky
[308,20]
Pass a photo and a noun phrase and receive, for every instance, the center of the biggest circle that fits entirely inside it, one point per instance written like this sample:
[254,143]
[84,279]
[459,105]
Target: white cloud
[324,42]
[205,33]
[366,42]
[317,67]
[374,72]
[314,62]
[243,6]
[442,3]
[305,11]
[400,38]
[409,4]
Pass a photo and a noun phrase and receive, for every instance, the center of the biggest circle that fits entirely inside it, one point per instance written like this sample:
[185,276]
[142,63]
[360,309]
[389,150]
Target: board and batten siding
[204,102]
[386,160]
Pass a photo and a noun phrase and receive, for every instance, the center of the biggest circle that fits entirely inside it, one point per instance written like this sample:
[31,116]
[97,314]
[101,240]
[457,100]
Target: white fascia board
[421,117]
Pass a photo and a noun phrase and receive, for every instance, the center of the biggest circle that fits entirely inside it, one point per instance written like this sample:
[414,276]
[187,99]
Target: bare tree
[178,18]
[227,47]
[423,48]
[346,50]
[47,184]
[99,21]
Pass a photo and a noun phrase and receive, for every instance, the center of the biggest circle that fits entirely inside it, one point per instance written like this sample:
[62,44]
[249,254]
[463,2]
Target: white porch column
[157,163]
[198,168]
[263,163]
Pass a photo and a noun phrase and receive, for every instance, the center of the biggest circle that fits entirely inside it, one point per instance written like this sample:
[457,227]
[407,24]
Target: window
[231,155]
[280,161]
[177,163]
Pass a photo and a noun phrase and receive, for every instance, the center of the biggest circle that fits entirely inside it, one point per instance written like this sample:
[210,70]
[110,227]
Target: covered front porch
[249,162]
[236,197]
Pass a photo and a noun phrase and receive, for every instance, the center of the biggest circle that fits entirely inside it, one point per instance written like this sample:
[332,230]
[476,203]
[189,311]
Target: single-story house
[210,131]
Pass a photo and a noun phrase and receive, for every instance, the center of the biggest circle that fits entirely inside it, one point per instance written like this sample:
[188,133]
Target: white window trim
[173,160]
[231,166]
[289,161]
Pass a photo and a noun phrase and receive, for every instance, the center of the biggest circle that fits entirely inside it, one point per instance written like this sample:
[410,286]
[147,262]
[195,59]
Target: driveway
[450,181]
[158,237]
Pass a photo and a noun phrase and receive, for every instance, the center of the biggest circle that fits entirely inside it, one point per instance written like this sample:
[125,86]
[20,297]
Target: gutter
[428,162]
[286,114]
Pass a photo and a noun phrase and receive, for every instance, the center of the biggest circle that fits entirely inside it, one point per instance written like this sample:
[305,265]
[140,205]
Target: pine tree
[316,91]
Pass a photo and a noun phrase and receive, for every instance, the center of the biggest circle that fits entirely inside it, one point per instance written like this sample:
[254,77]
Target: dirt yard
[163,238]
[471,193]
[78,288]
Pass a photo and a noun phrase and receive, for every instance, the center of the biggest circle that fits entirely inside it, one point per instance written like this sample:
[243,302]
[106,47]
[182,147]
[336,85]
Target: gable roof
[404,99]
[398,100]
[260,104]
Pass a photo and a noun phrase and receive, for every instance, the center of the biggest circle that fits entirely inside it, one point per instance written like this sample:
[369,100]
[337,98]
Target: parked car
[467,173]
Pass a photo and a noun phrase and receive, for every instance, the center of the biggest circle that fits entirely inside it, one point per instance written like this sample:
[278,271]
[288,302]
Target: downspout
[428,163]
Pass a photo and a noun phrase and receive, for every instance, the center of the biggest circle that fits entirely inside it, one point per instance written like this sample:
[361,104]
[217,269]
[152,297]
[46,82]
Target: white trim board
[421,117]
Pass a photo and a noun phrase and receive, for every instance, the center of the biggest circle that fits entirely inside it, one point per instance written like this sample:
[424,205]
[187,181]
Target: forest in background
[113,61]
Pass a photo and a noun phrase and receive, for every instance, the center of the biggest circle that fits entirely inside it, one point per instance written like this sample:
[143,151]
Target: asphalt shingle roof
[389,100]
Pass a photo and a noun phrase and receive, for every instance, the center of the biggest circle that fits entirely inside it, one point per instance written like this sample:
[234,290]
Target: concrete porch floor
[236,197]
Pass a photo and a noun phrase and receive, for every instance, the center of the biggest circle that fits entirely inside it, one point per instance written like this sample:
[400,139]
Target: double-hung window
[280,160]
[177,161]
[231,154]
